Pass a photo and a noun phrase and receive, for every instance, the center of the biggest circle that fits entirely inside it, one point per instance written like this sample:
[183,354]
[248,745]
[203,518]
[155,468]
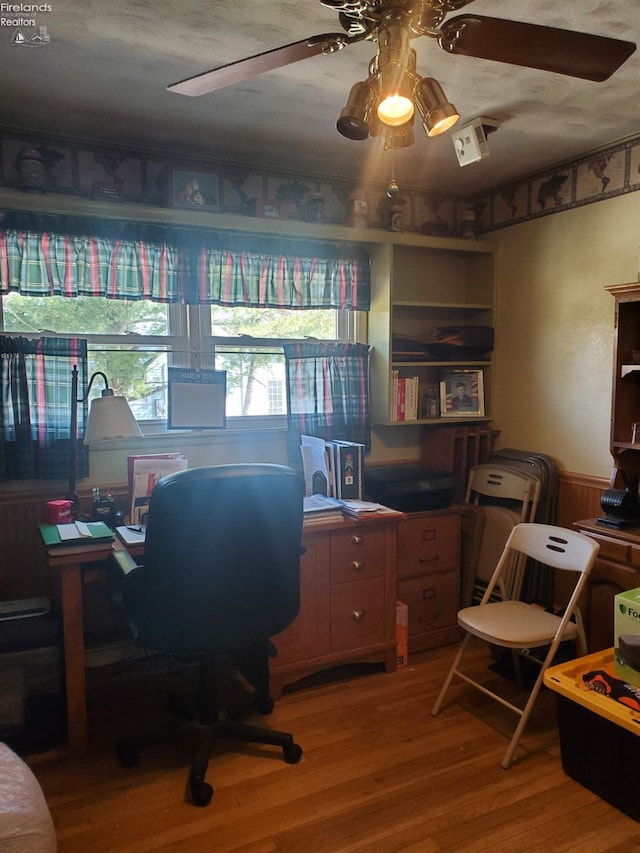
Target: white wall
[555,330]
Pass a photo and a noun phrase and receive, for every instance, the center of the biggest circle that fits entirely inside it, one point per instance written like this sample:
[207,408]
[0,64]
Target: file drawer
[432,603]
[357,614]
[428,544]
[357,554]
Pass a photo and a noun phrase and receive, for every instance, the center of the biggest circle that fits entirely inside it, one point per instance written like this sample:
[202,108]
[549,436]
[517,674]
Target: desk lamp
[109,418]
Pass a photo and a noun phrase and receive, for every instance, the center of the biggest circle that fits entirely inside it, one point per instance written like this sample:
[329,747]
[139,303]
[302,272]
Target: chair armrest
[124,561]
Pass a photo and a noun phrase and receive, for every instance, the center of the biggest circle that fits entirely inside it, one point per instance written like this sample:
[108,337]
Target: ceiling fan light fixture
[398,137]
[396,65]
[438,114]
[358,114]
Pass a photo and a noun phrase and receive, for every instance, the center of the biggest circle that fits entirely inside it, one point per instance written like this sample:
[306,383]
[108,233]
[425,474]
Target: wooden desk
[67,567]
[347,607]
[616,569]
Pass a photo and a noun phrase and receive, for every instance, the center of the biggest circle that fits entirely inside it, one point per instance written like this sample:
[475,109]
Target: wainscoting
[23,569]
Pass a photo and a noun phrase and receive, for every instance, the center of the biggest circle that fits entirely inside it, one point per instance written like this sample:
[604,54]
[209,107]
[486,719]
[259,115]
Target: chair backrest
[553,546]
[222,558]
[506,486]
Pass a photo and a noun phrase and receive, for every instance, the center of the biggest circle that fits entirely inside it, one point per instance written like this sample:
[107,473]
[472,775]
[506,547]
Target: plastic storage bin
[599,736]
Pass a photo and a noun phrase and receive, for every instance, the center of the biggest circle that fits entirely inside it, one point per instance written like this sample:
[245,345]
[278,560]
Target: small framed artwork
[197,398]
[195,190]
[462,394]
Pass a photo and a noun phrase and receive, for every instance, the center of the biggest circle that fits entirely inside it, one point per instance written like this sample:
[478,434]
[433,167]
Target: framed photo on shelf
[462,394]
[194,190]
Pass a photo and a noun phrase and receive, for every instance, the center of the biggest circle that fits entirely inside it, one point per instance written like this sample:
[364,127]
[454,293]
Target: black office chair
[221,576]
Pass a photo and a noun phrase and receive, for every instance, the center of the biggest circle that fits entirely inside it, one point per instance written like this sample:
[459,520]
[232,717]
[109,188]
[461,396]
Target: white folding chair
[514,496]
[516,625]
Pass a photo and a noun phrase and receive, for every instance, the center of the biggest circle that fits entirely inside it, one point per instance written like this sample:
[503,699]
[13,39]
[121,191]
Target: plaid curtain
[167,265]
[327,393]
[35,416]
[262,280]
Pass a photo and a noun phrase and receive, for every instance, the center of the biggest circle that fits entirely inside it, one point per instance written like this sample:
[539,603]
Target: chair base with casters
[209,724]
[522,627]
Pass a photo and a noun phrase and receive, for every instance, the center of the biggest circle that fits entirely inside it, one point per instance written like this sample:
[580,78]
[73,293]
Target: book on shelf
[404,397]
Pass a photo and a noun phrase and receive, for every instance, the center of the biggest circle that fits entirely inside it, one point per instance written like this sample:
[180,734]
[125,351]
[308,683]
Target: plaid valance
[123,261]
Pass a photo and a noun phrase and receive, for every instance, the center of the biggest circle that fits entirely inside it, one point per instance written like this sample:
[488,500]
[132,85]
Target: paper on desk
[75,530]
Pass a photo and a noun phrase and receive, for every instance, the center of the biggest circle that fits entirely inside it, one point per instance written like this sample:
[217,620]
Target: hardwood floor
[379,774]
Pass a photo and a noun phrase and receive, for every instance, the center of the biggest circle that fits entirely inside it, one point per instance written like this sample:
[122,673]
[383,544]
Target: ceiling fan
[388,98]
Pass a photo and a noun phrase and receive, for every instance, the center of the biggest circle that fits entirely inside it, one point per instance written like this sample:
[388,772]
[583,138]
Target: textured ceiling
[104,72]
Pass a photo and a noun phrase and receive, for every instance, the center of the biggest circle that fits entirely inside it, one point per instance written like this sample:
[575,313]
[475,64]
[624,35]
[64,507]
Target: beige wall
[554,338]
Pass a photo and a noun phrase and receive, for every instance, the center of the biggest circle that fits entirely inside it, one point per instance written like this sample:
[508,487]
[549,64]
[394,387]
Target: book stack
[68,538]
[404,397]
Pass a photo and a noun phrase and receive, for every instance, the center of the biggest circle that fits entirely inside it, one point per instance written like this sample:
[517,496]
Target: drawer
[432,601]
[428,544]
[357,614]
[356,555]
[614,550]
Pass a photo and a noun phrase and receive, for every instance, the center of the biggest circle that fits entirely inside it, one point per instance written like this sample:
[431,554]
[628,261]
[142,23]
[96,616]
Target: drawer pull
[357,615]
[428,535]
[428,594]
[357,565]
[429,559]
[357,540]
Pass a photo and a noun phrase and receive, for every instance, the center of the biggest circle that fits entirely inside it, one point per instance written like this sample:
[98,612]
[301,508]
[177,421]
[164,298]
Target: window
[133,343]
[148,297]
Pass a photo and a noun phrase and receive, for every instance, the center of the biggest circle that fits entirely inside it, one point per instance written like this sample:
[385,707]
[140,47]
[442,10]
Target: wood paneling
[23,570]
[579,497]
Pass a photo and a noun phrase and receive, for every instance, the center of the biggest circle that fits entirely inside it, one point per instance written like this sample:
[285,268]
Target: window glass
[83,315]
[134,342]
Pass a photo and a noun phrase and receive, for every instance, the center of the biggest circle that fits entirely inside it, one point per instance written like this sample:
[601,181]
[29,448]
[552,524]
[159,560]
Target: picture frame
[194,190]
[462,393]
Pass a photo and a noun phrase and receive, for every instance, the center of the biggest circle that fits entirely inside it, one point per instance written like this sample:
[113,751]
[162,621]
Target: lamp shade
[437,112]
[109,418]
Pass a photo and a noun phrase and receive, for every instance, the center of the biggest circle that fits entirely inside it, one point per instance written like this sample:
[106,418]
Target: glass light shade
[355,119]
[395,110]
[437,112]
[109,418]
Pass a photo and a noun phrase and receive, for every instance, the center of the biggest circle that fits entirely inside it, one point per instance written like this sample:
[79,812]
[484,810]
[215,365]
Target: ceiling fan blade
[533,46]
[243,69]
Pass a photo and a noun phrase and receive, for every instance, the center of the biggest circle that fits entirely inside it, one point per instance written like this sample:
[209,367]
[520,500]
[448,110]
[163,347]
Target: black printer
[409,488]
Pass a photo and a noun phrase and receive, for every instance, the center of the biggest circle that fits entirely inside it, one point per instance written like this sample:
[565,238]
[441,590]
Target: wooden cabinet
[428,576]
[347,600]
[616,569]
[625,398]
[418,286]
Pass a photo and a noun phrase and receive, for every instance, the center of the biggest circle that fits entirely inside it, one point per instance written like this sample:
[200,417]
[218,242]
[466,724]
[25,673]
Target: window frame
[189,343]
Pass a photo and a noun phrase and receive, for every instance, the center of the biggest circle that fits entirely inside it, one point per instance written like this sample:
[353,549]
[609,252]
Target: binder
[348,459]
